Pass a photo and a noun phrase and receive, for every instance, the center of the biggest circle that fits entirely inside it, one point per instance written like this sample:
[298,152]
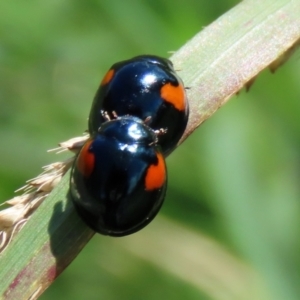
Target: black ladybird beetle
[119,177]
[147,87]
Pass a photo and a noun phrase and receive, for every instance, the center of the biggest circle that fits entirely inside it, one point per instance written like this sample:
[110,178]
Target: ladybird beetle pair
[119,178]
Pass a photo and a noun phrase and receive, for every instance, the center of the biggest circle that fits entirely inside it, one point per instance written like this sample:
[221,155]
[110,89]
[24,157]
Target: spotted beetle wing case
[119,179]
[146,87]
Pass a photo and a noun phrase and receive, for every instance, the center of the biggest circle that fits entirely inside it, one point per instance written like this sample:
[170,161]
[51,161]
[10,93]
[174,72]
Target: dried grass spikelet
[20,208]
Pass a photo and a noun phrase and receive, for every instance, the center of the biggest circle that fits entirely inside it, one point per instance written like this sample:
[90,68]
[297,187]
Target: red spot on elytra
[174,95]
[86,160]
[156,174]
[108,77]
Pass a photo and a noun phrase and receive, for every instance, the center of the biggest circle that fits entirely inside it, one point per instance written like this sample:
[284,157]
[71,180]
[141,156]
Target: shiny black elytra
[119,177]
[147,87]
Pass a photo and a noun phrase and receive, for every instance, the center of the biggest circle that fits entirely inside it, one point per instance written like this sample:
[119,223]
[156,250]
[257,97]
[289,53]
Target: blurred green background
[230,225]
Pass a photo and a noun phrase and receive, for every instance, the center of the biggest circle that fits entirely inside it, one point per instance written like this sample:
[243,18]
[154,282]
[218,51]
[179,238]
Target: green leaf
[51,239]
[229,53]
[215,64]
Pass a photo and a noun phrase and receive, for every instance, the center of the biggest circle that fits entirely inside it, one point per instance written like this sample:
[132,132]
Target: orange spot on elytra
[174,95]
[156,174]
[108,77]
[86,160]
